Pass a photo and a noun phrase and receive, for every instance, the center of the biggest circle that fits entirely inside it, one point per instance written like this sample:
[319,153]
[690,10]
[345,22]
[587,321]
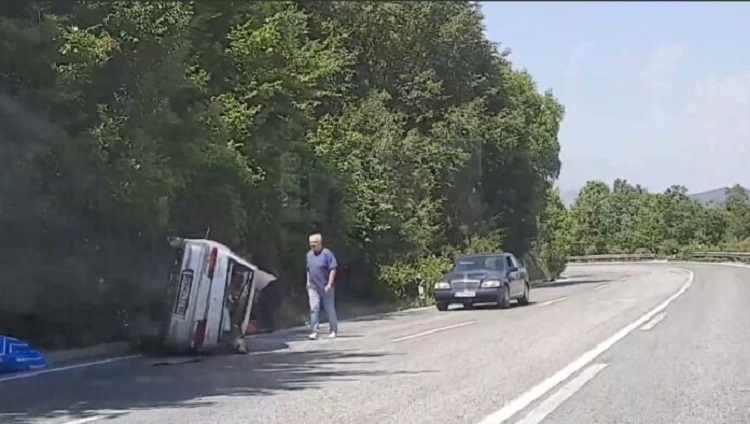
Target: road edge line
[536,392]
[36,373]
[549,405]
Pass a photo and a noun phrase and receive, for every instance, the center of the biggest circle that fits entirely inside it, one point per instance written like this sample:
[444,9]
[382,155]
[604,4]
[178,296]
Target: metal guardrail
[633,257]
[613,258]
[724,256]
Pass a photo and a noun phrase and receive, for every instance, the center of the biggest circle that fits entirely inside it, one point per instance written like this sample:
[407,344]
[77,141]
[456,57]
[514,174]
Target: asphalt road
[655,343]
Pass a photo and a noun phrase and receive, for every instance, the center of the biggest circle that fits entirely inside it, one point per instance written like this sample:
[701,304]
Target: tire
[503,302]
[526,298]
[441,306]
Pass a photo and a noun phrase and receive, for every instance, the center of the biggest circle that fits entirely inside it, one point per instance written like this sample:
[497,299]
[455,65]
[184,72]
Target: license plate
[183,297]
[465,293]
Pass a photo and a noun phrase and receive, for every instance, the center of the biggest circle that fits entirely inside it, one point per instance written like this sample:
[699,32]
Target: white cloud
[708,141]
[575,59]
[658,74]
[572,76]
[695,133]
[622,74]
[720,108]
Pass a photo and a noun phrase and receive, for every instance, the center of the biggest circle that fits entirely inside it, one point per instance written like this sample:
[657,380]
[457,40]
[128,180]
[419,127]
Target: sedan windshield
[475,263]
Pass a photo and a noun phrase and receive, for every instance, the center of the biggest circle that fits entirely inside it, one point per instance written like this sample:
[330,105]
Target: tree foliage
[396,129]
[629,219]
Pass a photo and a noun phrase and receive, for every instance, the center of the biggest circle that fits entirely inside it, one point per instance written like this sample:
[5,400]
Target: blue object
[17,355]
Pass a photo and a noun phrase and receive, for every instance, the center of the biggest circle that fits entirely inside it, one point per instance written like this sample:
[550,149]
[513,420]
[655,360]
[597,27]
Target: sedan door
[516,287]
[523,273]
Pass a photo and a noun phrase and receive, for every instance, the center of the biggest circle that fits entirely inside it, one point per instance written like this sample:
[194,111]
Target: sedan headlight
[442,285]
[491,283]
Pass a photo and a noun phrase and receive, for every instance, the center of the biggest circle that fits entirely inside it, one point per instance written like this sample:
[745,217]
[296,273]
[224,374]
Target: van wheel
[441,306]
[526,298]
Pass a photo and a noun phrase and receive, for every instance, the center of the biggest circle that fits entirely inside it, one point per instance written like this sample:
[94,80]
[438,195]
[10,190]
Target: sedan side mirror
[513,269]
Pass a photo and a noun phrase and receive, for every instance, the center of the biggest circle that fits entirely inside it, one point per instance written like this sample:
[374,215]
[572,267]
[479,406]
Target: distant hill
[713,196]
[707,197]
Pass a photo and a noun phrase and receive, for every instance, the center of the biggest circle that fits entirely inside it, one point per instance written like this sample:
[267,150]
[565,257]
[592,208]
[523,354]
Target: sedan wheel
[504,301]
[526,299]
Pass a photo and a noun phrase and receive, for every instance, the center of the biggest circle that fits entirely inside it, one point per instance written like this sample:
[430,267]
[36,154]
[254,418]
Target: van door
[251,283]
[225,324]
[216,300]
[232,308]
[240,307]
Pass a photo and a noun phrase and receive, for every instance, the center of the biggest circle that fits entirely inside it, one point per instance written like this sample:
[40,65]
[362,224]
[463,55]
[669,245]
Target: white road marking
[553,301]
[651,324]
[66,368]
[102,414]
[562,280]
[433,331]
[389,314]
[731,264]
[518,404]
[553,402]
[601,287]
[87,419]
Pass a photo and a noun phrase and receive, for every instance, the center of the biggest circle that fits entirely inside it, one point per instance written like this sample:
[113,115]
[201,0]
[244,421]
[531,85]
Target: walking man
[321,273]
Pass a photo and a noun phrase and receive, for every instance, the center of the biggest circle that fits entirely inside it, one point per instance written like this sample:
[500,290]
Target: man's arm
[307,271]
[332,266]
[332,277]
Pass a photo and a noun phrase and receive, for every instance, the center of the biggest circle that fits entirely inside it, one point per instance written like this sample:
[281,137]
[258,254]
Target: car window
[509,262]
[478,263]
[468,264]
[494,263]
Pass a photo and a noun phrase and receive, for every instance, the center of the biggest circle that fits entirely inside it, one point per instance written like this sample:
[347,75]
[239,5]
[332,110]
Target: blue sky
[657,93]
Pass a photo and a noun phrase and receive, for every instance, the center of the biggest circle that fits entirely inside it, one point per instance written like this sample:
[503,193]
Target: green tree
[555,241]
[737,209]
[629,219]
[591,217]
[397,129]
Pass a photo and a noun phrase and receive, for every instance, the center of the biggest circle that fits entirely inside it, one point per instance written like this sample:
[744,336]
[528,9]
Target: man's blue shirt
[319,267]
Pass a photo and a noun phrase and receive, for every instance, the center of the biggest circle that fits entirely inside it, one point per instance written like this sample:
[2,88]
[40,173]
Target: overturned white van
[212,291]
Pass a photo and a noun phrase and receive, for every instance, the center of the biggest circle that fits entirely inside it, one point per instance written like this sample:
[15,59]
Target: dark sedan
[484,278]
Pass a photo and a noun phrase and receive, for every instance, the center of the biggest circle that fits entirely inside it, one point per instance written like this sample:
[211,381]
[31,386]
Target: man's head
[316,242]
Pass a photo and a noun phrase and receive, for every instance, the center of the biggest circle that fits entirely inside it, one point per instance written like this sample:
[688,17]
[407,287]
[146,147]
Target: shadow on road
[359,314]
[492,306]
[384,316]
[139,384]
